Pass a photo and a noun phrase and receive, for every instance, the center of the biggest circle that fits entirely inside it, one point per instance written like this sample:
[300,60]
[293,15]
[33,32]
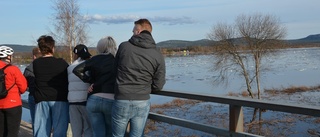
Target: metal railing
[235,112]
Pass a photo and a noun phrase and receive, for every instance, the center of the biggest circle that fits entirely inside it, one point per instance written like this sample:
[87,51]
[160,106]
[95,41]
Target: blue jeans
[99,111]
[134,111]
[51,116]
[32,108]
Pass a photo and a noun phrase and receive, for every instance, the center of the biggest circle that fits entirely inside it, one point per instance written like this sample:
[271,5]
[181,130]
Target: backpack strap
[3,71]
[6,66]
[11,87]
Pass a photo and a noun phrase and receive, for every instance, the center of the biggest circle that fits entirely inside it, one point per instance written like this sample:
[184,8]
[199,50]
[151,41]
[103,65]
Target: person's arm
[28,74]
[80,72]
[159,78]
[20,80]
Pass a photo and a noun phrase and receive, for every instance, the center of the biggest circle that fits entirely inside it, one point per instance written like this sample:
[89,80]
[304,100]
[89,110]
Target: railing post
[235,118]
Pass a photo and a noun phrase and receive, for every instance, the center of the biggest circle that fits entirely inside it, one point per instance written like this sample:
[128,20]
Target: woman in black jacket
[99,71]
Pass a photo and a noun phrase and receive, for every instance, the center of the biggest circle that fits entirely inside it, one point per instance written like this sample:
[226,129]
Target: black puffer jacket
[99,70]
[28,74]
[140,68]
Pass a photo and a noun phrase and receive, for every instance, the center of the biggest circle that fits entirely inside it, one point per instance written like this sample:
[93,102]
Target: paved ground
[25,129]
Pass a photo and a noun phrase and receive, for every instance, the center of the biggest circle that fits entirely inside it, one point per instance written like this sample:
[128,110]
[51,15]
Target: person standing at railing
[140,71]
[77,96]
[51,79]
[28,74]
[99,72]
[11,104]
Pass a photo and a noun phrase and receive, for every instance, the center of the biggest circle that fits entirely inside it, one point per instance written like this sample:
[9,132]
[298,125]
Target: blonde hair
[107,45]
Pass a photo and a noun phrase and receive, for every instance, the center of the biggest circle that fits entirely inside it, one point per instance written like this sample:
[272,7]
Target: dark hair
[145,24]
[46,44]
[82,51]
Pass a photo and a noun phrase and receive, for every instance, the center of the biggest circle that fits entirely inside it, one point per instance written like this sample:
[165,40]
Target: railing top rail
[240,101]
[248,102]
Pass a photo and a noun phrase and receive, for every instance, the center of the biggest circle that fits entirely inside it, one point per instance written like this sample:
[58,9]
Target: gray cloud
[173,20]
[129,19]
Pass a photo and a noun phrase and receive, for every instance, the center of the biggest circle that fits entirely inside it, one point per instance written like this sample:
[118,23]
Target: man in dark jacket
[140,71]
[28,73]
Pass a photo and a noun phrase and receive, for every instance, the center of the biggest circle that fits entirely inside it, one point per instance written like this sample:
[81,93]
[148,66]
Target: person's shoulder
[29,67]
[73,64]
[157,54]
[125,43]
[96,59]
[76,62]
[93,58]
[12,67]
[37,60]
[62,60]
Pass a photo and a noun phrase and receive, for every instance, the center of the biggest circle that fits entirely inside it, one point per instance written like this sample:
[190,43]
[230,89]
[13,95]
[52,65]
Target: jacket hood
[143,40]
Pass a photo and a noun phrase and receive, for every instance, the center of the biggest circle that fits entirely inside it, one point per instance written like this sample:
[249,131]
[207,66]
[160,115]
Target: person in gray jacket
[140,71]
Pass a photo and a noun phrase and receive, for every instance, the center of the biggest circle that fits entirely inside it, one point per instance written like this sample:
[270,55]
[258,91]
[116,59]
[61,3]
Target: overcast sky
[22,22]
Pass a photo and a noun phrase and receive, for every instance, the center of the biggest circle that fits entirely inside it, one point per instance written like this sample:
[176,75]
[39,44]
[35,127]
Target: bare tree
[244,44]
[70,26]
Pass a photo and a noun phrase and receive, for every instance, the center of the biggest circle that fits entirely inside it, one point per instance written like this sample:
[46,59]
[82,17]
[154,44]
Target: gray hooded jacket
[140,68]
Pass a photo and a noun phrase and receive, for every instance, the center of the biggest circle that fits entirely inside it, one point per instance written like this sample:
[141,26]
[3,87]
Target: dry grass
[266,127]
[233,94]
[274,91]
[175,103]
[292,90]
[213,49]
[244,93]
[150,126]
[317,121]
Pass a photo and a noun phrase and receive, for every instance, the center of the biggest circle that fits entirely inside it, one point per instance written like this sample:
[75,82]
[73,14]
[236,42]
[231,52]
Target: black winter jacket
[98,70]
[140,68]
[28,74]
